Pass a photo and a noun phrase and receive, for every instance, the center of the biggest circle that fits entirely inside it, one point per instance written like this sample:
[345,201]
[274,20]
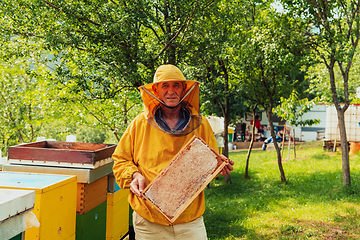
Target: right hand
[138,184]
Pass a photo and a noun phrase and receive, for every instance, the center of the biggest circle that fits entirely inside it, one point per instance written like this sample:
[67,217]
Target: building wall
[305,133]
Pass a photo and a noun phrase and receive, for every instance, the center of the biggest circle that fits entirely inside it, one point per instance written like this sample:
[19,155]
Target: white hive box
[352,123]
[55,202]
[83,175]
[15,207]
[216,123]
[13,202]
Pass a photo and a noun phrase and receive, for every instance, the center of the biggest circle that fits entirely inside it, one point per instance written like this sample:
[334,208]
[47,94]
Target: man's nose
[171,90]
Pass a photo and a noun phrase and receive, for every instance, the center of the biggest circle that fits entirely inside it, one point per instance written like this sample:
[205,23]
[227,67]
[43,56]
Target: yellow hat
[168,72]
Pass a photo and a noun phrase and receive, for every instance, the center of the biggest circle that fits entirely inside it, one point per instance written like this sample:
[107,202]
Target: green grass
[312,205]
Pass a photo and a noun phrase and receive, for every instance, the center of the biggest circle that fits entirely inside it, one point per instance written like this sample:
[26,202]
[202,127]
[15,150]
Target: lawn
[312,205]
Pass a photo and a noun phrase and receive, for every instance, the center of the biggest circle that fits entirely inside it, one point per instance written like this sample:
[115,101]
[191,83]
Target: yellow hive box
[55,202]
[117,217]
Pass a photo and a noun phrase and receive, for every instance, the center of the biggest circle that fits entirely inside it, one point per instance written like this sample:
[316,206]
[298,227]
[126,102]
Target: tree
[333,31]
[106,49]
[113,44]
[267,60]
[112,114]
[246,174]
[292,109]
[318,76]
[90,135]
[23,97]
[212,58]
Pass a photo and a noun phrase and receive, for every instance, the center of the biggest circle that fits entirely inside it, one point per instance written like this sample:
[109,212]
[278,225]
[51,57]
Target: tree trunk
[341,123]
[226,150]
[250,146]
[269,116]
[344,149]
[283,143]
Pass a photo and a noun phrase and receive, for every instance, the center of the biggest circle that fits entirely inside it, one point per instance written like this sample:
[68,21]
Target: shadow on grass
[223,213]
[229,206]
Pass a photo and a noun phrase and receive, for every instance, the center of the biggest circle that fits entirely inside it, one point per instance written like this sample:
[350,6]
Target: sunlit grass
[312,205]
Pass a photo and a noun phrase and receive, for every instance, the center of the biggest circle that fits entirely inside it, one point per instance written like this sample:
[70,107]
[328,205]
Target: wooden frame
[57,153]
[187,180]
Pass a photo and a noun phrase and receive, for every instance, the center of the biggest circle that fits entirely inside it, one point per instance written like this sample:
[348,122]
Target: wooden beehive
[67,154]
[117,217]
[91,195]
[55,202]
[83,175]
[92,225]
[183,179]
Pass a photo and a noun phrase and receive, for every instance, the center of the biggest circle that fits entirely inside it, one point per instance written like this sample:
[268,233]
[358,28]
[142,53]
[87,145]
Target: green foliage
[106,45]
[111,114]
[270,56]
[24,96]
[91,57]
[292,109]
[211,58]
[90,135]
[210,107]
[330,30]
[318,76]
[57,129]
[102,51]
[33,104]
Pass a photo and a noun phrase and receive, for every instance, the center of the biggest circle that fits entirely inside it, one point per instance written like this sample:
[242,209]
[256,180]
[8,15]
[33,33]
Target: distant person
[270,140]
[257,124]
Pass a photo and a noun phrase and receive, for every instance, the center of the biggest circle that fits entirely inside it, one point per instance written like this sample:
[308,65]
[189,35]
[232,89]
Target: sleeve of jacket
[124,165]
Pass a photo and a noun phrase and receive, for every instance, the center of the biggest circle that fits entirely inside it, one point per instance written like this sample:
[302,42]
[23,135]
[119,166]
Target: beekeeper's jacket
[146,148]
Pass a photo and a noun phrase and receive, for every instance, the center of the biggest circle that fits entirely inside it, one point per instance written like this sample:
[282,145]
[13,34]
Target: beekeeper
[170,119]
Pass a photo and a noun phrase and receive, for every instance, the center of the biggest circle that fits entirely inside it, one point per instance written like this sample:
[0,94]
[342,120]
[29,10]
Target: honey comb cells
[178,184]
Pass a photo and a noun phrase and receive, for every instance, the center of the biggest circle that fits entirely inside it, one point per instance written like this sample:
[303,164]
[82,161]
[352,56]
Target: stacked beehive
[91,164]
[55,202]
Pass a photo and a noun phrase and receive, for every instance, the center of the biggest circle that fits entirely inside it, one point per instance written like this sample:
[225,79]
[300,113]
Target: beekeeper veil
[189,100]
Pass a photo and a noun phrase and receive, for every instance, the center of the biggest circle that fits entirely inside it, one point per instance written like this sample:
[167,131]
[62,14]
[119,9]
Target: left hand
[228,167]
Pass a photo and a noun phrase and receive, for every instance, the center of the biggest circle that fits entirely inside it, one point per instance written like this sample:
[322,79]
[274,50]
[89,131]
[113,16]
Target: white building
[302,133]
[307,133]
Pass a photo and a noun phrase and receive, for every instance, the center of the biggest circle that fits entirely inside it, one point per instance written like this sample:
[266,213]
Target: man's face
[170,92]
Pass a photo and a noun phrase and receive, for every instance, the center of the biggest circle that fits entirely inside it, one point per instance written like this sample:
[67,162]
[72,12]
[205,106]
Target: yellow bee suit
[147,148]
[154,150]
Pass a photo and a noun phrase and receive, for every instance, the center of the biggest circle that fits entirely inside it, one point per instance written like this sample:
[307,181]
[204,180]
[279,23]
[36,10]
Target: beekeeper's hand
[228,167]
[138,184]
